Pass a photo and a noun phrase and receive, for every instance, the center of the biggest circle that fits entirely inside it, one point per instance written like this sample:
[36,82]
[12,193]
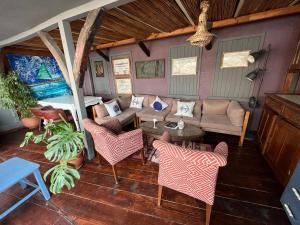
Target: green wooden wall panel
[231,82]
[187,85]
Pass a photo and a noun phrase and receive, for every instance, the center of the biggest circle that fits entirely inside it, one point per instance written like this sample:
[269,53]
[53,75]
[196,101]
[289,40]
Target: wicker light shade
[202,37]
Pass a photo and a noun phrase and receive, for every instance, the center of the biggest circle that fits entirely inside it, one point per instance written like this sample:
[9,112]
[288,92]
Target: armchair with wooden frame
[113,144]
[189,171]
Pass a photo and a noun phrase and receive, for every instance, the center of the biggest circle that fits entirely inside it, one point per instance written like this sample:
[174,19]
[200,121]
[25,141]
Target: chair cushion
[185,109]
[148,114]
[235,113]
[113,125]
[158,104]
[195,120]
[136,102]
[113,108]
[125,117]
[215,107]
[219,124]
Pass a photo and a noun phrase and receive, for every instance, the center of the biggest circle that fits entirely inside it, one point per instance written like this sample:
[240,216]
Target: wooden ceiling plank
[185,12]
[294,2]
[216,24]
[238,8]
[139,20]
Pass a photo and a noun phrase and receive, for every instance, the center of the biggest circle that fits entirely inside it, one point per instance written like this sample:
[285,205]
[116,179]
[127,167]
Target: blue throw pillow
[158,104]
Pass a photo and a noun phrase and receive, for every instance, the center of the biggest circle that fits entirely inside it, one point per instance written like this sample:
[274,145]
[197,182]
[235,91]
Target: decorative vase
[31,122]
[154,123]
[180,124]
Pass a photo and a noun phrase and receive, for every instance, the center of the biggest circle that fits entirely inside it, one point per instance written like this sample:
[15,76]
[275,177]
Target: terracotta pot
[79,161]
[31,122]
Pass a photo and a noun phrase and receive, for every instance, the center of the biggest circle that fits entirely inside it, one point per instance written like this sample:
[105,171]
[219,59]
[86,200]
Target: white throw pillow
[158,105]
[113,108]
[136,102]
[185,109]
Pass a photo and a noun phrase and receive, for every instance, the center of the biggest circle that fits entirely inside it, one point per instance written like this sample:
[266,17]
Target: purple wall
[281,33]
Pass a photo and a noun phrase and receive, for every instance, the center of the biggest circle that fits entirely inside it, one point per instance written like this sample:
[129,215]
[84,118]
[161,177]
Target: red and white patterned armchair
[112,144]
[190,171]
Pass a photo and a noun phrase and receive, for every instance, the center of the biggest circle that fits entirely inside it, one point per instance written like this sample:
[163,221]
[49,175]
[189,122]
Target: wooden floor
[247,193]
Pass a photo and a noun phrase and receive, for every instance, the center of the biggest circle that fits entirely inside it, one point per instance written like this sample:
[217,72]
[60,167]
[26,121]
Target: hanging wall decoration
[121,67]
[184,66]
[150,69]
[235,59]
[41,74]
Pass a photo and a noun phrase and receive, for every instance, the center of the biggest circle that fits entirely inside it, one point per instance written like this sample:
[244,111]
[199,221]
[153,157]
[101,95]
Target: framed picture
[121,67]
[123,86]
[235,59]
[150,69]
[184,66]
[99,69]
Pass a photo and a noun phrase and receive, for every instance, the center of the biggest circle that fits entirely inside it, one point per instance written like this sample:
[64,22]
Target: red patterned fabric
[112,147]
[190,171]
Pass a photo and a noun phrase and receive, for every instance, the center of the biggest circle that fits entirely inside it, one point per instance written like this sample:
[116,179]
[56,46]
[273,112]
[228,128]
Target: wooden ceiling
[141,18]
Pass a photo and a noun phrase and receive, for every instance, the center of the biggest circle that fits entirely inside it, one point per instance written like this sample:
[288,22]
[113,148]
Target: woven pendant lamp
[202,37]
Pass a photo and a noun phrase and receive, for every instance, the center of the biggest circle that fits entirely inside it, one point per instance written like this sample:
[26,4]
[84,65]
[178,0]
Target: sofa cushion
[185,109]
[220,124]
[215,107]
[148,114]
[100,110]
[124,102]
[136,102]
[113,108]
[125,117]
[235,113]
[197,106]
[158,104]
[171,117]
[146,99]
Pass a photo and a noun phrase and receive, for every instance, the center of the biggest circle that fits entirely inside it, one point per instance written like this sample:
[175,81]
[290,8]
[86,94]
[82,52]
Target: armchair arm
[189,155]
[132,139]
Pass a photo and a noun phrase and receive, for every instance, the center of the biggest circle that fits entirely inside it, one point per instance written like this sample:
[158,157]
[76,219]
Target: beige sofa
[221,116]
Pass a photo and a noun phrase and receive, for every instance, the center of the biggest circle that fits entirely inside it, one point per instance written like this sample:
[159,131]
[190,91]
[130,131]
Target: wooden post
[56,52]
[68,45]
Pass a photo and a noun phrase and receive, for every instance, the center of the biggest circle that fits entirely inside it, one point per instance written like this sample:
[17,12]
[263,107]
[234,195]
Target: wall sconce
[253,74]
[255,55]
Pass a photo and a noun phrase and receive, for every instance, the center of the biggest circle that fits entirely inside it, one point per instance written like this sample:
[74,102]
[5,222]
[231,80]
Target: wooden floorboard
[247,192]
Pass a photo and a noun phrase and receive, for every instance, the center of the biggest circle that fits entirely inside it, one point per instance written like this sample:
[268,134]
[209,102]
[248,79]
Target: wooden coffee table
[186,135]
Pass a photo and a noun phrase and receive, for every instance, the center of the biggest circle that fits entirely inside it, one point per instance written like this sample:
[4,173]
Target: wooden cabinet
[279,136]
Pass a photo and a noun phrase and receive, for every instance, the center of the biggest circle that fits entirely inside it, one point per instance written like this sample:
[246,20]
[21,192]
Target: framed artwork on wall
[184,66]
[123,86]
[121,67]
[235,59]
[150,69]
[99,68]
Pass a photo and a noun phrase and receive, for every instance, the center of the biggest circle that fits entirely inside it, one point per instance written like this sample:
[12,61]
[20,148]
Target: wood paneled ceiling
[141,18]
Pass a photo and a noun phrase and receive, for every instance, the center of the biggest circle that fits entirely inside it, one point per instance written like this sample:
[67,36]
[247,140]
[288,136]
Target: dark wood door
[265,127]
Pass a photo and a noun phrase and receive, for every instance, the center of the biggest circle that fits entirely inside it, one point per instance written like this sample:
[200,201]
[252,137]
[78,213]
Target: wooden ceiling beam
[216,24]
[185,12]
[238,8]
[104,56]
[144,48]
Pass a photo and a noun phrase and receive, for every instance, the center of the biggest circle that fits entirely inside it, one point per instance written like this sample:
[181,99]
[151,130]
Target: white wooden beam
[185,12]
[294,2]
[69,50]
[69,15]
[56,52]
[238,8]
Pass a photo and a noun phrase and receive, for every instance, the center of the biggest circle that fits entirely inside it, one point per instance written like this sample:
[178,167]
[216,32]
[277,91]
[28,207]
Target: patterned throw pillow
[113,108]
[185,109]
[136,102]
[158,104]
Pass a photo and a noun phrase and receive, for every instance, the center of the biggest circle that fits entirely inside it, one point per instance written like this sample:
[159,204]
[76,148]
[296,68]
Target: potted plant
[16,95]
[64,146]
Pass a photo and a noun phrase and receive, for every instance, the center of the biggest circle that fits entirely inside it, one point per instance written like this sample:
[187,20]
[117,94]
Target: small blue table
[15,170]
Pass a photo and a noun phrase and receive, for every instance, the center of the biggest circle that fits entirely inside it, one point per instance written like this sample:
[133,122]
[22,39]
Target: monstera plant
[64,144]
